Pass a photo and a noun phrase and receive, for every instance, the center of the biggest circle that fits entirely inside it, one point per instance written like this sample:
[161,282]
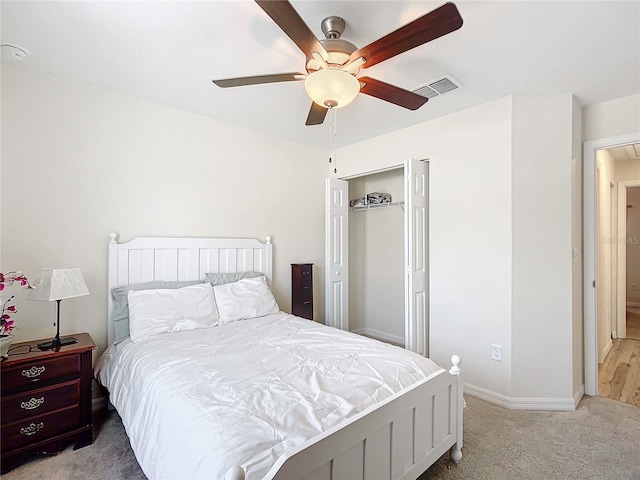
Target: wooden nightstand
[46,399]
[302,290]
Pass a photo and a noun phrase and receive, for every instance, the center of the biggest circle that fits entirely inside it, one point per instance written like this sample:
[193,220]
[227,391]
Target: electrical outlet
[634,287]
[496,352]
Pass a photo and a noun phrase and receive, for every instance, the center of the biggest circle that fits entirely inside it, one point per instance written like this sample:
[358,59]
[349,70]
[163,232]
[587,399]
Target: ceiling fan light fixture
[332,88]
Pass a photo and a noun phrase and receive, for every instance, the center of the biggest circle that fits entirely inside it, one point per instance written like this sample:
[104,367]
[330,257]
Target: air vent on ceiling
[437,87]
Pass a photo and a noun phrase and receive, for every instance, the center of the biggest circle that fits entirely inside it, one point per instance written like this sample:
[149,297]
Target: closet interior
[376,258]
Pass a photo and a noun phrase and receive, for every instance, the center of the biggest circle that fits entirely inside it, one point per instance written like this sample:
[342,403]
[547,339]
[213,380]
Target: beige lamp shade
[332,88]
[57,284]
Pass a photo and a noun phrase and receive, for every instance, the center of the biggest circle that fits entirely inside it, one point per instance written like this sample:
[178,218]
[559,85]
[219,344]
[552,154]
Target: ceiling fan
[333,63]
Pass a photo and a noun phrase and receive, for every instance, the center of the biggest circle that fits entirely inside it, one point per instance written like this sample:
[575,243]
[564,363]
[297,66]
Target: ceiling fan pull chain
[333,131]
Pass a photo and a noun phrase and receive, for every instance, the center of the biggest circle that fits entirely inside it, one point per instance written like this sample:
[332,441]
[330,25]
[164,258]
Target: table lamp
[58,284]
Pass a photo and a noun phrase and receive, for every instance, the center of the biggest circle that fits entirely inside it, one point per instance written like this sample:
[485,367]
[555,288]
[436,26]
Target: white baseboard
[385,337]
[523,403]
[578,396]
[607,349]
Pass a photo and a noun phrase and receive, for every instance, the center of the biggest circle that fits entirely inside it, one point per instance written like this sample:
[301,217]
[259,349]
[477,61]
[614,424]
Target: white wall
[609,119]
[376,259]
[470,230]
[629,170]
[504,220]
[79,162]
[542,325]
[605,178]
[633,246]
[576,240]
[626,170]
[357,274]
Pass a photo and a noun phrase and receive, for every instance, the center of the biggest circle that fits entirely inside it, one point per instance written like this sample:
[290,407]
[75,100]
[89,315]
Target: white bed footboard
[397,439]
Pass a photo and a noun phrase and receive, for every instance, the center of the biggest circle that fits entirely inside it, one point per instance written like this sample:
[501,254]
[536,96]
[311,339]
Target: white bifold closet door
[337,254]
[416,223]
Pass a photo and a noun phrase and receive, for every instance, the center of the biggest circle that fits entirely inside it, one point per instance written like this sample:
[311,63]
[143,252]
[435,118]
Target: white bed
[270,397]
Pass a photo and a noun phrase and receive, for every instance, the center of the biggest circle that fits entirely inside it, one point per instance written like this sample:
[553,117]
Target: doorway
[591,286]
[415,179]
[618,357]
[629,257]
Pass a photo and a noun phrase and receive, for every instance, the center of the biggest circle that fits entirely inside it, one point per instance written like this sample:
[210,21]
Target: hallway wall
[633,246]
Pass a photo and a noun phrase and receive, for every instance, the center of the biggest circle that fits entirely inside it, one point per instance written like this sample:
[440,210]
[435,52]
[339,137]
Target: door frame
[411,334]
[589,259]
[621,297]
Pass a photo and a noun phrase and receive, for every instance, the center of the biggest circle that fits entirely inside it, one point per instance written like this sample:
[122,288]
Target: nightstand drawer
[305,276]
[38,428]
[305,310]
[40,401]
[304,295]
[39,372]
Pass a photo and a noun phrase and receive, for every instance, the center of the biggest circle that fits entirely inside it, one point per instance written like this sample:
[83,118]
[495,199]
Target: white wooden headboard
[145,259]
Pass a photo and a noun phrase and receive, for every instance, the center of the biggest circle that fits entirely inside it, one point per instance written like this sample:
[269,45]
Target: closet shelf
[377,205]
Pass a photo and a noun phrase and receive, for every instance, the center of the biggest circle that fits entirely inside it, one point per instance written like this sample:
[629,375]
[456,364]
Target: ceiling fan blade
[316,114]
[439,22]
[240,81]
[391,93]
[291,23]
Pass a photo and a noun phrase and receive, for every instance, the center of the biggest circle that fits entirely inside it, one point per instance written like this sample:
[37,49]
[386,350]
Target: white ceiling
[626,152]
[168,52]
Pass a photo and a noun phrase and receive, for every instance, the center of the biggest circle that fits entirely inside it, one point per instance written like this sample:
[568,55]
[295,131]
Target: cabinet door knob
[32,429]
[33,372]
[32,404]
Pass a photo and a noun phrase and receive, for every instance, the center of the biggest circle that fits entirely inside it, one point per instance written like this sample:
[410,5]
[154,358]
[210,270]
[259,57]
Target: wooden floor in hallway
[619,375]
[633,323]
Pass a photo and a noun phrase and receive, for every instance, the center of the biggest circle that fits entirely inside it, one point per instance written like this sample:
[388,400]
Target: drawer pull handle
[307,302]
[33,372]
[32,404]
[32,429]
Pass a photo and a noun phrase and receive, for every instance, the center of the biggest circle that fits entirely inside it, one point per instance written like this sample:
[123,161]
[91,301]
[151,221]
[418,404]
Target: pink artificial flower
[6,280]
[7,326]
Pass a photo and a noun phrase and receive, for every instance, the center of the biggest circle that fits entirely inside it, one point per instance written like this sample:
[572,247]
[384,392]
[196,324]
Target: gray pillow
[223,278]
[120,312]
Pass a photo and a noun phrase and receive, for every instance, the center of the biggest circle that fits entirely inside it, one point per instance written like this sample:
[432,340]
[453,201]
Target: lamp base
[57,343]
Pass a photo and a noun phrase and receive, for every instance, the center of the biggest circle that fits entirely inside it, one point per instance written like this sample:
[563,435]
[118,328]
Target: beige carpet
[600,440]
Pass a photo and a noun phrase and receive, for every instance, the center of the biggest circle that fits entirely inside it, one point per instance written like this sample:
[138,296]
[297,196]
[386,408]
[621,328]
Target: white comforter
[198,402]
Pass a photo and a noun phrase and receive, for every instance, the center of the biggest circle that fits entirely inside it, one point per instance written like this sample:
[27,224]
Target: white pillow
[247,298]
[171,310]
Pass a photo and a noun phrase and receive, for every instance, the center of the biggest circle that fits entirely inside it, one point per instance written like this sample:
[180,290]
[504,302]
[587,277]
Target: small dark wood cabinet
[302,290]
[46,399]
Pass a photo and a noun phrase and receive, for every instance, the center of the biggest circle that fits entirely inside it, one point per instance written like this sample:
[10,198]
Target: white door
[337,254]
[416,226]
